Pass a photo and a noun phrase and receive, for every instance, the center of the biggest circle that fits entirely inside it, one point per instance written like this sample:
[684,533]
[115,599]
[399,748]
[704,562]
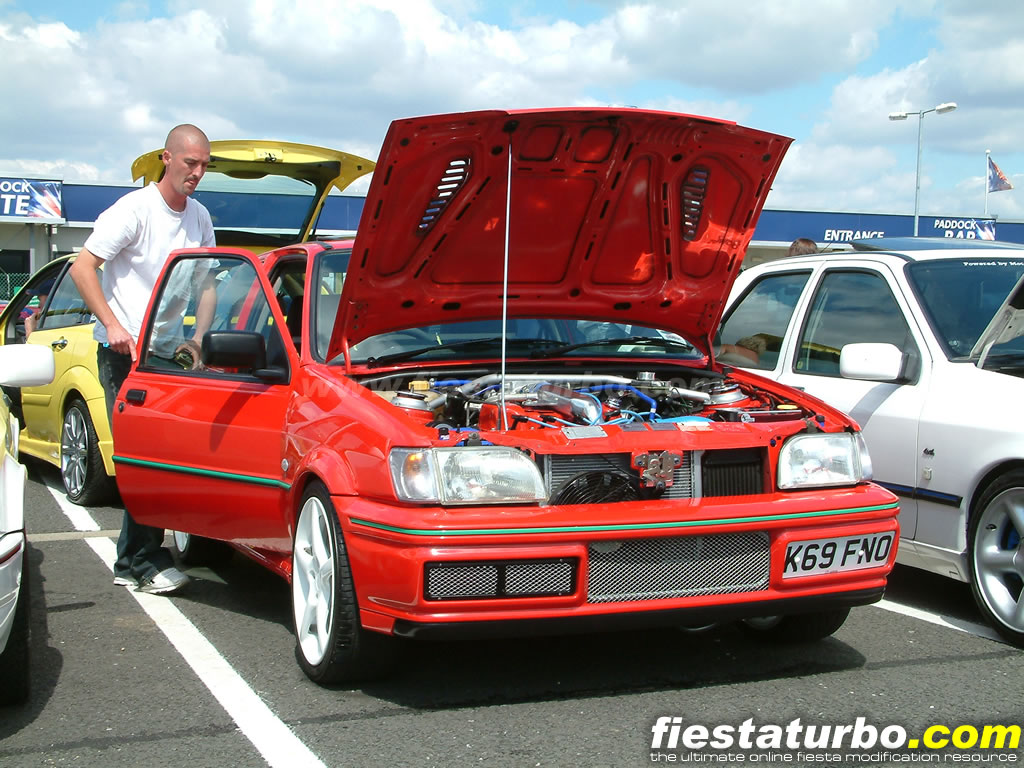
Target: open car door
[190,437]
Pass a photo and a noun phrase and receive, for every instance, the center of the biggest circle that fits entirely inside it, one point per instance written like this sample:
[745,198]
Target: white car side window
[849,307]
[753,332]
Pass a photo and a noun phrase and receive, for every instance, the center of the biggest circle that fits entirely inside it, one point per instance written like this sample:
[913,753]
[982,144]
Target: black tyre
[996,555]
[331,646]
[198,550]
[797,628]
[15,676]
[81,466]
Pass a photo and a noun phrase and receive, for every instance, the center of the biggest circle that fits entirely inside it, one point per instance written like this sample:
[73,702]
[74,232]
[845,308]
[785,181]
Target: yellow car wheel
[81,466]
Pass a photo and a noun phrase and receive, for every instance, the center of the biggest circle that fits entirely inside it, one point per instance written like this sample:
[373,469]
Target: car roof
[895,256]
[928,244]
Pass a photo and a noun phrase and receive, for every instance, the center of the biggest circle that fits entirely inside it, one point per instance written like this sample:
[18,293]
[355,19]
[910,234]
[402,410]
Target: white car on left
[21,365]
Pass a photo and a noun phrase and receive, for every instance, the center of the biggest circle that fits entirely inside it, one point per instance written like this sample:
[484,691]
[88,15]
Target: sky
[87,86]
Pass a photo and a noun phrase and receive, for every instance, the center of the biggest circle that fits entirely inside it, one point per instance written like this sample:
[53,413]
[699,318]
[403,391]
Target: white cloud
[748,47]
[336,72]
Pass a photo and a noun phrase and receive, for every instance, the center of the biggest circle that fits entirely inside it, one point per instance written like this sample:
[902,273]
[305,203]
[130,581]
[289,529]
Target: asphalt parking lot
[209,678]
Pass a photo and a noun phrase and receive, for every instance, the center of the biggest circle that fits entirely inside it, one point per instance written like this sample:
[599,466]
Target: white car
[921,343]
[22,365]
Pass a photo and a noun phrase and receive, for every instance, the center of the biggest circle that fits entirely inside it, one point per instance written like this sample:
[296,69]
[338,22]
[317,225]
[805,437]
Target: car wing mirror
[234,349]
[25,365]
[244,351]
[873,362]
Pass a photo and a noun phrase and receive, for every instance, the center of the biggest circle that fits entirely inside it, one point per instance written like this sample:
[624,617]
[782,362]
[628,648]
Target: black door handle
[135,396]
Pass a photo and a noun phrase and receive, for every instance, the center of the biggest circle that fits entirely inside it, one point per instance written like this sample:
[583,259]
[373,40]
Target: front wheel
[331,646]
[996,551]
[797,628]
[81,465]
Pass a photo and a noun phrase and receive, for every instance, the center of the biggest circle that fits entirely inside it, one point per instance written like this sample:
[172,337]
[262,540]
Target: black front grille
[481,580]
[738,472]
[560,470]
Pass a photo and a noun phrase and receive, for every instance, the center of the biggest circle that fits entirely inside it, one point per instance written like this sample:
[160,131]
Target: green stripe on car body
[622,526]
[251,479]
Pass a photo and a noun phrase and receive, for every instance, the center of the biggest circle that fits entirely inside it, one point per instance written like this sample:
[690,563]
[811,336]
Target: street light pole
[948,106]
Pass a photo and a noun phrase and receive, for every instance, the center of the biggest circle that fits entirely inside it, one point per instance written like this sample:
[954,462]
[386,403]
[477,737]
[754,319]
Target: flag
[997,181]
[986,229]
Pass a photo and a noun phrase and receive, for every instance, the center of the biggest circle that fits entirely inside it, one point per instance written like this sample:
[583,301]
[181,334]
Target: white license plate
[843,553]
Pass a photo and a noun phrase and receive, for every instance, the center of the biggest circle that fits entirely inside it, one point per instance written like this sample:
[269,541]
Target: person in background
[41,292]
[802,245]
[132,239]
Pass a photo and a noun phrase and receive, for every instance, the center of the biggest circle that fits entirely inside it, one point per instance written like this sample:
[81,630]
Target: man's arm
[205,308]
[83,272]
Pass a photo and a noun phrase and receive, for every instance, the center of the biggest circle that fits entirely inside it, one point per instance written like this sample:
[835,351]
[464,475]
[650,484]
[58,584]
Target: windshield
[481,339]
[526,337]
[960,296]
[279,204]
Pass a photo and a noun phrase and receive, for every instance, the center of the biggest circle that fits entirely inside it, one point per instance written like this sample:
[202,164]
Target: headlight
[812,461]
[468,475]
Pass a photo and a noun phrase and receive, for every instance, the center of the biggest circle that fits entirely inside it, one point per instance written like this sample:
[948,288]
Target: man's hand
[119,340]
[191,346]
[31,321]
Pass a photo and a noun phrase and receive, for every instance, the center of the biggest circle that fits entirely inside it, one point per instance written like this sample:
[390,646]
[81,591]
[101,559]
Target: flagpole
[985,178]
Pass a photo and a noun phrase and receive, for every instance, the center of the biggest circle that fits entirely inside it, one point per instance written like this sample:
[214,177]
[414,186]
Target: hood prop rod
[504,289]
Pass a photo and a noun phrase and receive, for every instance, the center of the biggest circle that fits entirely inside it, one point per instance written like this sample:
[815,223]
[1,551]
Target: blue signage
[827,227]
[30,199]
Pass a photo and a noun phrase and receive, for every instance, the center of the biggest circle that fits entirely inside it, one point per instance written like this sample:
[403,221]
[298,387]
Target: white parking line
[961,625]
[276,742]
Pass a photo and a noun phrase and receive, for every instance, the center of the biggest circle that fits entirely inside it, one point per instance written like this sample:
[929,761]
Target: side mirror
[234,349]
[25,365]
[872,362]
[245,351]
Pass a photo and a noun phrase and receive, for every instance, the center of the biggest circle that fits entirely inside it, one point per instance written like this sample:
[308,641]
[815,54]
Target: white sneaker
[168,580]
[125,581]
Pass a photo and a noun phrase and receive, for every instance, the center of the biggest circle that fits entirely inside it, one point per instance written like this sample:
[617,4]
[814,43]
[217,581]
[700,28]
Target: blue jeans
[140,548]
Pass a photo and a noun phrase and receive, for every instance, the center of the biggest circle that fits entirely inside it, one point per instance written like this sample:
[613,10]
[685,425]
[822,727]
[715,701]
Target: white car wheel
[330,643]
[997,556]
[313,567]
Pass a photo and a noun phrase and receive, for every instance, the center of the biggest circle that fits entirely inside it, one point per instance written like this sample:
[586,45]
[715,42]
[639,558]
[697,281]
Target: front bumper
[510,570]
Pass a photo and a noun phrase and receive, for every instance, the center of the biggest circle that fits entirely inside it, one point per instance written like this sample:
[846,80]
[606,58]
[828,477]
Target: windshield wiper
[623,341]
[489,341]
[1000,360]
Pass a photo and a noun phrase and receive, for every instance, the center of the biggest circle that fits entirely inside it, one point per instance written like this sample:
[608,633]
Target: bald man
[131,240]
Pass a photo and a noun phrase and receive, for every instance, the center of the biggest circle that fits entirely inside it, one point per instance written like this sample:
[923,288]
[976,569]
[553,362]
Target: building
[41,219]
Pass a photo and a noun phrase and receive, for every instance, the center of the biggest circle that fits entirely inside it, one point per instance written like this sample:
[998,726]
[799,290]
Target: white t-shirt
[134,236]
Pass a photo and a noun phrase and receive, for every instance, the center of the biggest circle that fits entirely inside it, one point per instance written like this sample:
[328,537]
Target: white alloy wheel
[997,556]
[81,465]
[74,452]
[313,564]
[330,643]
[181,540]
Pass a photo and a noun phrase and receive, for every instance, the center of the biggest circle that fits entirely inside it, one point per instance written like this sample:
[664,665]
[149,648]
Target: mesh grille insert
[499,579]
[683,566]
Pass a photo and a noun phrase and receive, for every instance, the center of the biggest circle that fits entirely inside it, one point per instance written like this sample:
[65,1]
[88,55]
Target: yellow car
[65,422]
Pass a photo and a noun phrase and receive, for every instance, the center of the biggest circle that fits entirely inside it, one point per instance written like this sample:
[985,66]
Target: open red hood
[621,215]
